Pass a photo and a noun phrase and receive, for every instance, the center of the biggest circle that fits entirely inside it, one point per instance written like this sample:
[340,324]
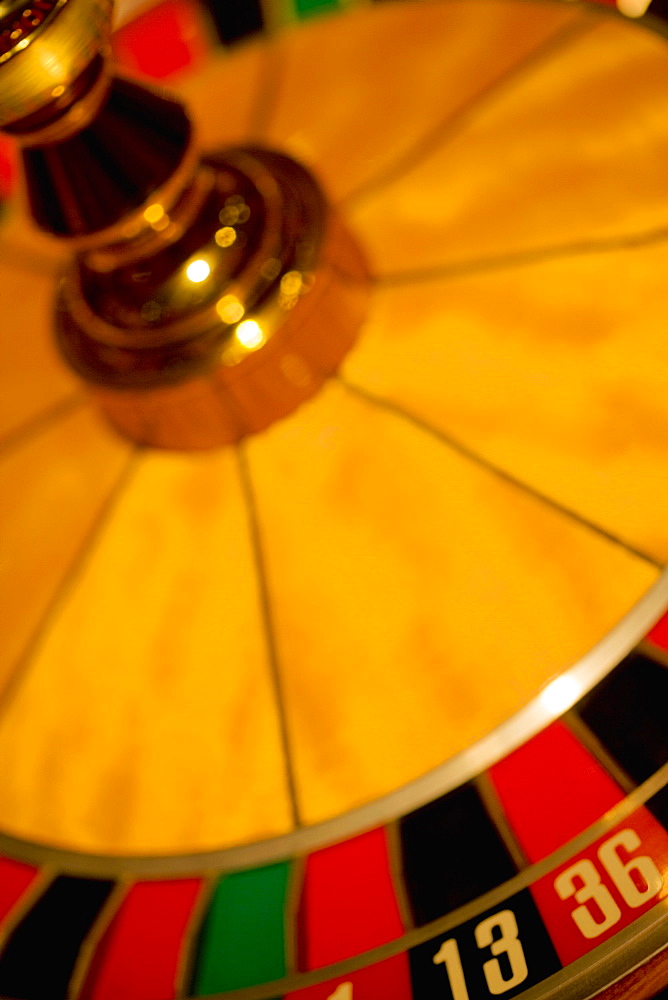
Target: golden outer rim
[582,979]
[540,712]
[54,55]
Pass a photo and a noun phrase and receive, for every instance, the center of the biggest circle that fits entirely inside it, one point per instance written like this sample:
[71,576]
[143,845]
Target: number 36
[637,881]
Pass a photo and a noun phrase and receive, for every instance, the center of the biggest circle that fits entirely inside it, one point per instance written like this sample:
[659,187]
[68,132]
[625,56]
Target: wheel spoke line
[492,806]
[525,258]
[591,742]
[71,576]
[456,122]
[478,459]
[40,423]
[267,618]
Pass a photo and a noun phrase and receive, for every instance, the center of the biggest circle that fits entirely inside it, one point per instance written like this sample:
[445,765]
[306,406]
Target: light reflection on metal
[230,309]
[271,268]
[291,283]
[226,236]
[156,217]
[633,8]
[249,334]
[235,212]
[151,311]
[560,694]
[153,213]
[292,286]
[198,271]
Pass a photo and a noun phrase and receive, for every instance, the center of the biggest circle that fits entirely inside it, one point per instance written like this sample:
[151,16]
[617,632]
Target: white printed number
[344,991]
[606,913]
[448,955]
[637,881]
[508,943]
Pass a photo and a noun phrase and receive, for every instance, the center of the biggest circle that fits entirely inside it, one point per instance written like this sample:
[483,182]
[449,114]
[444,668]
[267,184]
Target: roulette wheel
[366,698]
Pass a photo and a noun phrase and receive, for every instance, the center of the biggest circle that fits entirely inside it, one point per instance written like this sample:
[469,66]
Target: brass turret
[208,295]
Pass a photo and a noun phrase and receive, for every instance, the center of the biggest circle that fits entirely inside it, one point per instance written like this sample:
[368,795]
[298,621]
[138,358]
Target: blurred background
[168,39]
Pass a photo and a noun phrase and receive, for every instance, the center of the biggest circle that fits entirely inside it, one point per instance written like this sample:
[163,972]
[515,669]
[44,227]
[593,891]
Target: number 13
[507,944]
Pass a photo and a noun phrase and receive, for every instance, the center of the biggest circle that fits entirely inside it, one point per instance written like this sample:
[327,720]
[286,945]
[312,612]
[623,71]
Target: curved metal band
[539,713]
[53,56]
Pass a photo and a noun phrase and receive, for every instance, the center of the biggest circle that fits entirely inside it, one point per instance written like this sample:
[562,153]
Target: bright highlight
[632,8]
[230,309]
[249,333]
[198,271]
[560,694]
[154,213]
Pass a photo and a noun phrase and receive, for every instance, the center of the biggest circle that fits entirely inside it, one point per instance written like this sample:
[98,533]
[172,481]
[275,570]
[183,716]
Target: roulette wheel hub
[185,301]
